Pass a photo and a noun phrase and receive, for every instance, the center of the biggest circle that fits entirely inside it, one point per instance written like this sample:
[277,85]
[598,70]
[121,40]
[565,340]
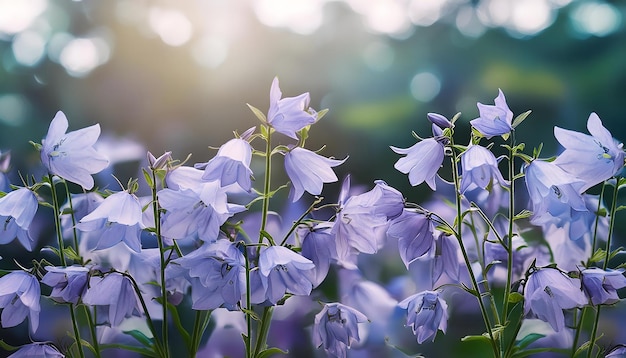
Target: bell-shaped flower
[230,165]
[114,297]
[427,312]
[82,205]
[480,169]
[494,120]
[71,155]
[217,275]
[336,328]
[308,171]
[318,245]
[422,161]
[601,285]
[117,219]
[548,292]
[439,120]
[592,158]
[68,283]
[17,210]
[618,351]
[284,271]
[415,233]
[37,349]
[19,297]
[291,114]
[446,258]
[159,163]
[554,193]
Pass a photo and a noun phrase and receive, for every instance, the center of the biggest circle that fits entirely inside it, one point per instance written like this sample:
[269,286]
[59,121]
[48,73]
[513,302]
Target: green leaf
[519,119]
[270,351]
[477,338]
[258,114]
[71,254]
[144,351]
[321,114]
[266,235]
[7,347]
[530,338]
[515,297]
[598,256]
[177,322]
[140,337]
[523,215]
[147,177]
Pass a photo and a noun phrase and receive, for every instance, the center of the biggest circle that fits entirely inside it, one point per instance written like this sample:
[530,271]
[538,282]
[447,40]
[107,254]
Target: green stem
[57,220]
[509,246]
[267,182]
[199,326]
[74,232]
[579,325]
[79,341]
[157,227]
[92,329]
[248,305]
[263,330]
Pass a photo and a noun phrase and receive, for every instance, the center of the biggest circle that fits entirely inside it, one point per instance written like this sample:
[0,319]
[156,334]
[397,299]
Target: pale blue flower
[336,328]
[19,297]
[446,258]
[117,219]
[427,313]
[17,210]
[439,120]
[494,120]
[37,349]
[159,163]
[71,155]
[592,158]
[68,283]
[480,169]
[318,245]
[618,351]
[601,285]
[548,292]
[415,232]
[291,114]
[284,271]
[422,161]
[82,205]
[114,297]
[308,171]
[230,165]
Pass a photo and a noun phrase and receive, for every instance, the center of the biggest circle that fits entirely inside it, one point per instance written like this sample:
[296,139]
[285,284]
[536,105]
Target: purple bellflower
[593,158]
[548,292]
[446,258]
[308,171]
[17,210]
[68,283]
[618,351]
[318,245]
[601,285]
[284,271]
[230,165]
[71,155]
[37,349]
[494,120]
[114,296]
[117,219]
[336,327]
[480,168]
[19,297]
[415,234]
[82,205]
[426,314]
[291,114]
[422,161]
[439,120]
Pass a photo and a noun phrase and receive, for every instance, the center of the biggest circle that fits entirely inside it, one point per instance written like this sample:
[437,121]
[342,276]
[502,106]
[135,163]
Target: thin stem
[579,325]
[79,341]
[248,305]
[264,328]
[295,224]
[157,227]
[509,246]
[92,329]
[74,232]
[200,323]
[57,220]
[266,185]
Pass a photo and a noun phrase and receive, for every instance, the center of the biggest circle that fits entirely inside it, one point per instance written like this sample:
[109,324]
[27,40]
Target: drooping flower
[117,219]
[494,120]
[480,168]
[318,245]
[439,120]
[446,258]
[19,297]
[230,165]
[284,271]
[5,165]
[415,233]
[68,283]
[618,351]
[336,328]
[114,297]
[422,161]
[37,349]
[548,292]
[308,171]
[291,114]
[71,155]
[593,158]
[601,285]
[426,314]
[17,210]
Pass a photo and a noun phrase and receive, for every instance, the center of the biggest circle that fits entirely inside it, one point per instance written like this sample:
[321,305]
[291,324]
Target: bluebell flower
[618,351]
[446,259]
[494,120]
[217,275]
[593,158]
[114,297]
[601,285]
[439,120]
[336,328]
[230,165]
[308,171]
[19,297]
[71,155]
[17,210]
[427,312]
[415,232]
[480,169]
[37,349]
[117,219]
[159,163]
[422,161]
[5,166]
[82,205]
[318,245]
[68,283]
[291,114]
[548,292]
[284,271]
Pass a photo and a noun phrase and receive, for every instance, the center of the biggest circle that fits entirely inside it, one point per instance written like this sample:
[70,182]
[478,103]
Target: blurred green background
[175,75]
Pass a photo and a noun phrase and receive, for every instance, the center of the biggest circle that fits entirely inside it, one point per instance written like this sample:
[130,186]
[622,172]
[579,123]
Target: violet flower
[426,314]
[291,114]
[494,120]
[446,257]
[17,210]
[68,283]
[114,296]
[422,161]
[230,165]
[336,328]
[37,349]
[415,234]
[480,168]
[284,271]
[72,156]
[601,285]
[308,171]
[318,245]
[19,297]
